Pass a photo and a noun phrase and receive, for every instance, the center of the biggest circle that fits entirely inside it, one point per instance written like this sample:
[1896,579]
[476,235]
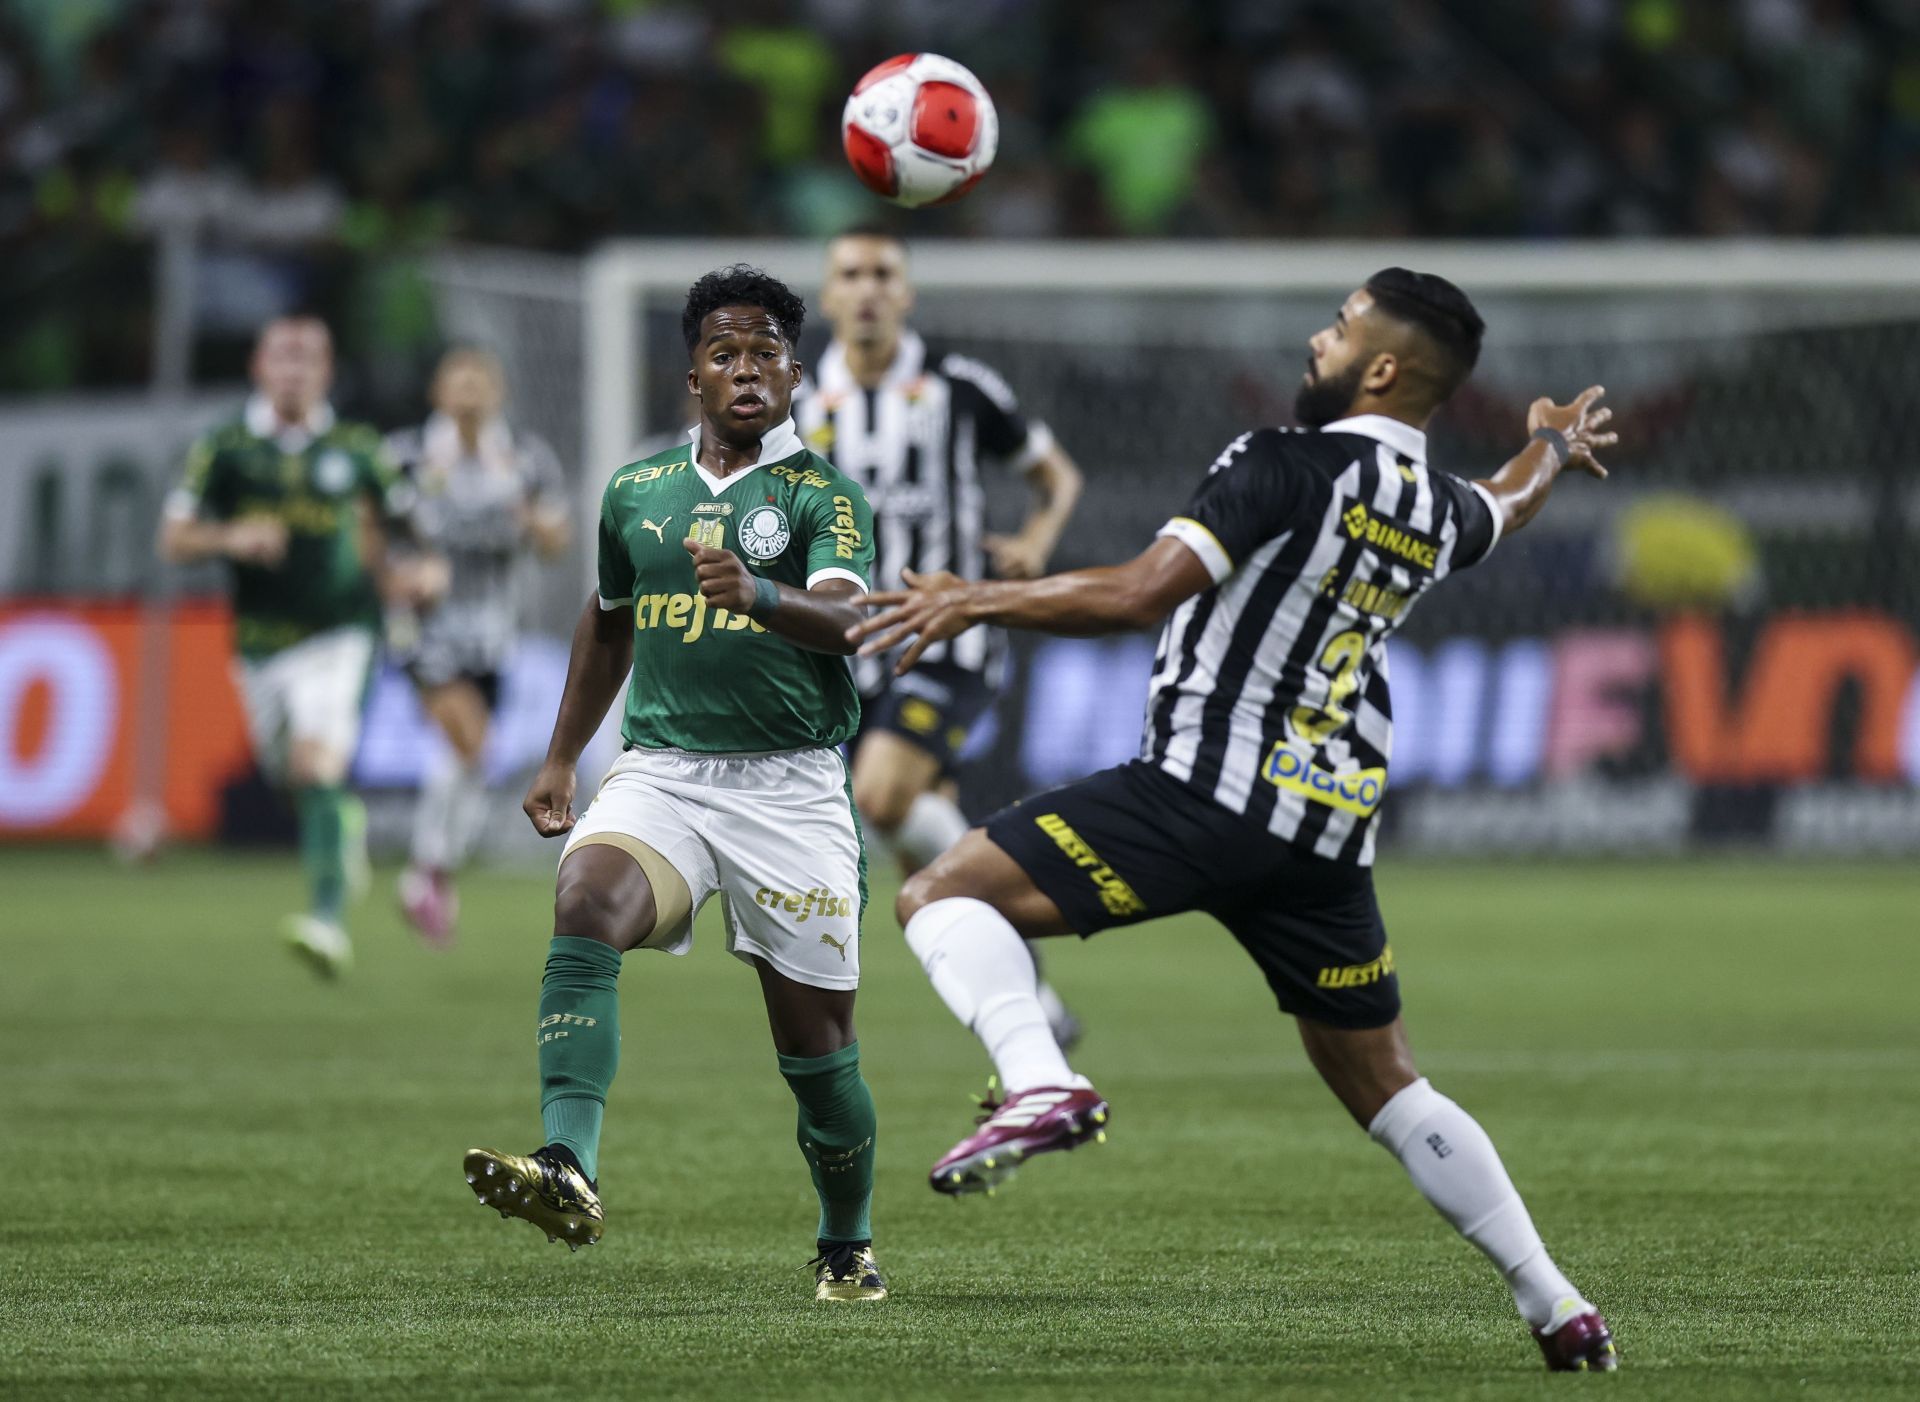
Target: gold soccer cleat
[554,1196]
[848,1273]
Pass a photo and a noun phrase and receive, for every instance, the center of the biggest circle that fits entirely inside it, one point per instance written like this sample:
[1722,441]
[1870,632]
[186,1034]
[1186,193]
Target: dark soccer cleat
[1033,1122]
[1583,1344]
[539,1188]
[847,1272]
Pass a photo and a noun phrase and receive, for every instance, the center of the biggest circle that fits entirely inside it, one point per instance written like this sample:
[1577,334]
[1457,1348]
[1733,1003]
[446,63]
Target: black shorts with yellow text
[935,706]
[1134,843]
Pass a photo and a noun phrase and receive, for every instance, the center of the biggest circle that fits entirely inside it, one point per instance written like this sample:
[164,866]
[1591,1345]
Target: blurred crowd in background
[314,149]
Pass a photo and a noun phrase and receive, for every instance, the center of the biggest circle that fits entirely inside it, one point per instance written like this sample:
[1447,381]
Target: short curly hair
[742,285]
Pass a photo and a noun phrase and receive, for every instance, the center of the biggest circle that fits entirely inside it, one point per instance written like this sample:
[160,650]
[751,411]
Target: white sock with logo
[932,825]
[1456,1167]
[980,967]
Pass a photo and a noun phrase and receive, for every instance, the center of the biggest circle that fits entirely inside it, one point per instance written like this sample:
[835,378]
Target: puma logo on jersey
[840,945]
[659,531]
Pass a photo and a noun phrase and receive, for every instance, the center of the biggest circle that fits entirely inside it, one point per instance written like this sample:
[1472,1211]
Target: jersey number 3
[1341,662]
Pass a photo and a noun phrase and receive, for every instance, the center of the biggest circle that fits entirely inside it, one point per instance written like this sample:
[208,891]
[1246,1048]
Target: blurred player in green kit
[295,501]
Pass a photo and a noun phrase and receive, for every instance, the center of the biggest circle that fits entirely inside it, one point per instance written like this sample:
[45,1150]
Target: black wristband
[1556,440]
[766,598]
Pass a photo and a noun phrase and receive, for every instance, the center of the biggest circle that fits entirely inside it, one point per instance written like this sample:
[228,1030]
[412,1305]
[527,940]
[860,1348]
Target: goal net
[1716,646]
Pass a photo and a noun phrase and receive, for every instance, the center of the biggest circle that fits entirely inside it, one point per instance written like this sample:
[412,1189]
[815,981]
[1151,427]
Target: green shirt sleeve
[204,488]
[839,526]
[616,561]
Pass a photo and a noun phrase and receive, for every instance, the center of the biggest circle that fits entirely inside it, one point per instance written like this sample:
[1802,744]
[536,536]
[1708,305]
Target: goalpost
[1763,390]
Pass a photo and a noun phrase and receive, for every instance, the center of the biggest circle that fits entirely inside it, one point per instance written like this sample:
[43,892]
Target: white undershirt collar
[909,360]
[778,444]
[264,422]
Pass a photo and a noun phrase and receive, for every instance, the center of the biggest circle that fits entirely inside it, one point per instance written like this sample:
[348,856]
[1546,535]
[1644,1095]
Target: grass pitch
[224,1179]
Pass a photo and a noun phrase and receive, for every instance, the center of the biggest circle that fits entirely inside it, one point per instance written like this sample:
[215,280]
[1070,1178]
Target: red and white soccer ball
[920,129]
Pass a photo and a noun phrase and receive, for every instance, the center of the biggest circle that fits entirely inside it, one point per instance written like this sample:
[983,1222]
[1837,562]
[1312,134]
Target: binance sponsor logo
[1357,975]
[815,901]
[846,534]
[1390,537]
[799,476]
[554,1025]
[1359,792]
[1376,599]
[1115,894]
[689,614]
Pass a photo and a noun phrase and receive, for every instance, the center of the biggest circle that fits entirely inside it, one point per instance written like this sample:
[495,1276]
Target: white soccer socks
[932,825]
[451,809]
[981,968]
[1457,1169]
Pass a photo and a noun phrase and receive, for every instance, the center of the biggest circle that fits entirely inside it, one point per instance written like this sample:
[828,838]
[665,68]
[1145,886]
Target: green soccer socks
[321,810]
[837,1127]
[579,1044]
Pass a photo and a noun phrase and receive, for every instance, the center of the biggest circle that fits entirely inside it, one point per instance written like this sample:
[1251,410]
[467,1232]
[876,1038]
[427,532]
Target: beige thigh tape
[672,901]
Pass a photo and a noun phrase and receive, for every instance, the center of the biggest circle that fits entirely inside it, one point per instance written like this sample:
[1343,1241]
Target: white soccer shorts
[774,835]
[311,691]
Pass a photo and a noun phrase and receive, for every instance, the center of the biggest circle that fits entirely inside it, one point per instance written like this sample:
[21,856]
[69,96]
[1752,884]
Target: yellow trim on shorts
[672,901]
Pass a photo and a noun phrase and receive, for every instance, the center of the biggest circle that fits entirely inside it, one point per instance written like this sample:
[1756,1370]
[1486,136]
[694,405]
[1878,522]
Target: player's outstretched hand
[931,609]
[1581,423]
[725,583]
[549,800]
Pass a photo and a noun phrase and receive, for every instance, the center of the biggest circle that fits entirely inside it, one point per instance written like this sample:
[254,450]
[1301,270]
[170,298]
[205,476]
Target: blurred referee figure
[914,426]
[485,494]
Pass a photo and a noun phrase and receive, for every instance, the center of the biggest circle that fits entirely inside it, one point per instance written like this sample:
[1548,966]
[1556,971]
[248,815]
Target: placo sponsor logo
[1358,791]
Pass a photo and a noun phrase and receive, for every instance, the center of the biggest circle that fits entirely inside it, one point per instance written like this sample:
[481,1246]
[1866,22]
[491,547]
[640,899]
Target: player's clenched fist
[549,800]
[725,583]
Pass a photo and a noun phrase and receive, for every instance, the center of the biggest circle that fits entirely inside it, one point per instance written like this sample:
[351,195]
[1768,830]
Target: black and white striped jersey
[916,444]
[1269,690]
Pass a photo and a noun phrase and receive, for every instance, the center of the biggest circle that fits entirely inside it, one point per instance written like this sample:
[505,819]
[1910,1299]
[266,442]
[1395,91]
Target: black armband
[1556,440]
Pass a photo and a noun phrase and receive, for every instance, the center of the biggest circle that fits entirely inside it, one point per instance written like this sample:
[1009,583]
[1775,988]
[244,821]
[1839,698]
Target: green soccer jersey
[712,681]
[313,484]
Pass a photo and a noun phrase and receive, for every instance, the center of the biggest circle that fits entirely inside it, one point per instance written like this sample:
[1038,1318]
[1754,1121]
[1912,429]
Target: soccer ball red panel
[919,129]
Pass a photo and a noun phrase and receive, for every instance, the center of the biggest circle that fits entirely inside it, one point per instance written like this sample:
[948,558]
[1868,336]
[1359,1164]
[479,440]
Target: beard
[1321,400]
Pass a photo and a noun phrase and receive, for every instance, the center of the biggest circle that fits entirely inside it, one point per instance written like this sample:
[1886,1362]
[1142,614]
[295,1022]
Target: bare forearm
[815,620]
[1079,603]
[185,541]
[1523,484]
[596,670]
[1056,484]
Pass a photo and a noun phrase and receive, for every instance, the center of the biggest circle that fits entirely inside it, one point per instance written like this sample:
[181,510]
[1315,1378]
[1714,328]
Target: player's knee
[883,805]
[584,910]
[313,763]
[922,889]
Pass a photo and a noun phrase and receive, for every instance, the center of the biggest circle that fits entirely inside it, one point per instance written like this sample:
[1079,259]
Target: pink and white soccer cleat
[1036,1121]
[1583,1344]
[428,901]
